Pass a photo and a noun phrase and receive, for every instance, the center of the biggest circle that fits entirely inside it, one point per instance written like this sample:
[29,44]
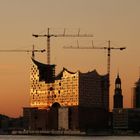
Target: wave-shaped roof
[46,71]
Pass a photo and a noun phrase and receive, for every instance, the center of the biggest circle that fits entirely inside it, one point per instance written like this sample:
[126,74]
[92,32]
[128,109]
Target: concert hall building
[69,100]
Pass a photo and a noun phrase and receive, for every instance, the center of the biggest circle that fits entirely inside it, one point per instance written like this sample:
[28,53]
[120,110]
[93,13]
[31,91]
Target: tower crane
[49,35]
[18,50]
[108,48]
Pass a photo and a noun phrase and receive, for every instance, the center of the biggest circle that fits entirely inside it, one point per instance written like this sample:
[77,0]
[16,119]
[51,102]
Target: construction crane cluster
[49,35]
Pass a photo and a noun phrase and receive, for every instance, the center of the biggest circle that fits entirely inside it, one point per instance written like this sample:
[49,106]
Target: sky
[114,20]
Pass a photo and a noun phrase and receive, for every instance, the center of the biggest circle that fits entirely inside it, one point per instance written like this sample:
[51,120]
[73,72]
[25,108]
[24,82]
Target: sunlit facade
[38,90]
[69,89]
[63,91]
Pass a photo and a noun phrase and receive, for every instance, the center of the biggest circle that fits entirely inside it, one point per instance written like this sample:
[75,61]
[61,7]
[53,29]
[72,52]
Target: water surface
[23,137]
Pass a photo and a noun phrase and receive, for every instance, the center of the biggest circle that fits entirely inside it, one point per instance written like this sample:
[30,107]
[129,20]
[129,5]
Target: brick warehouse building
[82,98]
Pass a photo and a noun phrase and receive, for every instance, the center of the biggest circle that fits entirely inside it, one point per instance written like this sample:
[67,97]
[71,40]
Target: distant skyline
[115,20]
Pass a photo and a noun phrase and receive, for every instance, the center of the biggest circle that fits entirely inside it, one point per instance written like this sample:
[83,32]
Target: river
[27,137]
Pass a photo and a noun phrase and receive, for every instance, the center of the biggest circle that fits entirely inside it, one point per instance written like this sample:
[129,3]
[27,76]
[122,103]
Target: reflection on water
[21,137]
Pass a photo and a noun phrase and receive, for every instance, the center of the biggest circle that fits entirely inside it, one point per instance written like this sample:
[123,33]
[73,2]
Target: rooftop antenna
[118,72]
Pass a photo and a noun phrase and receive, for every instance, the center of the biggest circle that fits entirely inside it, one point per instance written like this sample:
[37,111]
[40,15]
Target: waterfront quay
[52,132]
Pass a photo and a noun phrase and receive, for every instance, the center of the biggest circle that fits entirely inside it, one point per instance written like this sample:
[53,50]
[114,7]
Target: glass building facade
[69,89]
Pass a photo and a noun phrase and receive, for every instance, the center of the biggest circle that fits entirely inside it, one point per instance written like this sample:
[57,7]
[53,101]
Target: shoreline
[74,133]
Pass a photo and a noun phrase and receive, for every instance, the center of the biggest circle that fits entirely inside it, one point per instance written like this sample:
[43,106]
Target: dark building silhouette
[8,124]
[136,99]
[118,98]
[65,118]
[126,119]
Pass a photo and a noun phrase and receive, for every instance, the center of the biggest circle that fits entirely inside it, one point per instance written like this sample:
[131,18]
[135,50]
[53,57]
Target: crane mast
[49,35]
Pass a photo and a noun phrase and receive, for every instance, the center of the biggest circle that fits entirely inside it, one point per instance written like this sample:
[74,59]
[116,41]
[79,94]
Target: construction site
[68,100]
[71,102]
